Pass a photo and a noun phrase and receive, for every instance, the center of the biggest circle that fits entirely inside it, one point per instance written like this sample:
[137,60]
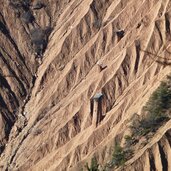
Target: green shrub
[159,102]
[94,166]
[156,109]
[130,140]
[120,156]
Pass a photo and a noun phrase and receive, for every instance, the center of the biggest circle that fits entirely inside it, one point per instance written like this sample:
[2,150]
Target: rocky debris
[101,66]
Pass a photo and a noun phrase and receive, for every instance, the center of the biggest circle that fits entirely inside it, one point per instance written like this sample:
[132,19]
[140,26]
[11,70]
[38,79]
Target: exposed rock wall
[132,38]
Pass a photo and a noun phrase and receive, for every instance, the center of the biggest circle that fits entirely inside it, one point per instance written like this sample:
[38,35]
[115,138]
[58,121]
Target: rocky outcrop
[45,109]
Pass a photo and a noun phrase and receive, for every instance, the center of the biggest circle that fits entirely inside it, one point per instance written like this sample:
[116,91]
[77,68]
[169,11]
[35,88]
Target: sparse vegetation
[156,109]
[94,166]
[120,156]
[159,102]
[130,140]
[156,113]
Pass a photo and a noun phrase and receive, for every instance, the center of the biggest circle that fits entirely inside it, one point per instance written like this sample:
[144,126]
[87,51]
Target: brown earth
[121,48]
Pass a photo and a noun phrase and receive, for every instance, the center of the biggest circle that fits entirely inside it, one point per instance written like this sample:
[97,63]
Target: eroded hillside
[116,51]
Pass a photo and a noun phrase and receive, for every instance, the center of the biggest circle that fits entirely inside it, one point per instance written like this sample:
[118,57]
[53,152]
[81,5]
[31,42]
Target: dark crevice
[3,28]
[160,34]
[152,163]
[3,105]
[137,46]
[104,41]
[100,116]
[163,158]
[91,107]
[8,126]
[125,65]
[167,24]
[168,135]
[119,83]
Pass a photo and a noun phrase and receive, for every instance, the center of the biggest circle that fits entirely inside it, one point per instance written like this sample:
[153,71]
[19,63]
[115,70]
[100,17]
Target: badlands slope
[45,108]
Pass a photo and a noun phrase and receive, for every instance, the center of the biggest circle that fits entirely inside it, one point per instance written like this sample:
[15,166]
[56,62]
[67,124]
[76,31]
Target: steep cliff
[64,63]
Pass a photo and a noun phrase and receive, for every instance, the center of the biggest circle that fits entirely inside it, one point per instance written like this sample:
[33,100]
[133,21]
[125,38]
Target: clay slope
[129,39]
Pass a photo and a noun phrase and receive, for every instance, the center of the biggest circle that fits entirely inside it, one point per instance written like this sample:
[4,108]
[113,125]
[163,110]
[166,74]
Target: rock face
[46,93]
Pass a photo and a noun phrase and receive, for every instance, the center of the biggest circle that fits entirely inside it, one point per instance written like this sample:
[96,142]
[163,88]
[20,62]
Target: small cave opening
[120,34]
